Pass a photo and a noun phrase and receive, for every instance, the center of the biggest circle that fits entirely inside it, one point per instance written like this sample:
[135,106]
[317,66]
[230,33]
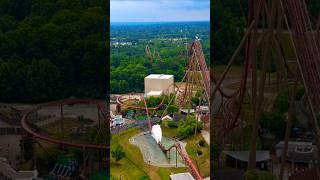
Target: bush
[281,103]
[259,175]
[172,109]
[202,143]
[274,122]
[117,153]
[199,152]
[145,177]
[300,93]
[187,127]
[214,151]
[172,124]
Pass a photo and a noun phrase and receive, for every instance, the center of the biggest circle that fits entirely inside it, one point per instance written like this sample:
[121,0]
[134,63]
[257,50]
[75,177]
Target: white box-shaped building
[157,84]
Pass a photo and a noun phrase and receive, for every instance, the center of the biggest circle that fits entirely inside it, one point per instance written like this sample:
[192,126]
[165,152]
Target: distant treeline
[51,49]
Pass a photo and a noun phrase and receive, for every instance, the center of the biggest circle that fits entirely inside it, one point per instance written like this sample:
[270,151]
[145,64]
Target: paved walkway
[10,149]
[149,157]
[9,172]
[206,136]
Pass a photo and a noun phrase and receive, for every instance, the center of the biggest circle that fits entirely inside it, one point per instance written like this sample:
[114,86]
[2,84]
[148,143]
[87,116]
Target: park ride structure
[34,132]
[64,167]
[197,75]
[266,19]
[152,56]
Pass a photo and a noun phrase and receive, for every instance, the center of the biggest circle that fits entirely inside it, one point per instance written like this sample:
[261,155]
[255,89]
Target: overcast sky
[159,10]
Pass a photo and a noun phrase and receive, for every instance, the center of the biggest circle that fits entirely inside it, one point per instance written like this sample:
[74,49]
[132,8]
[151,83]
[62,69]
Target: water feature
[152,154]
[156,133]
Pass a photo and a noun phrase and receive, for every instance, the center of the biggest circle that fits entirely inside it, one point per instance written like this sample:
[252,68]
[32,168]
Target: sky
[159,10]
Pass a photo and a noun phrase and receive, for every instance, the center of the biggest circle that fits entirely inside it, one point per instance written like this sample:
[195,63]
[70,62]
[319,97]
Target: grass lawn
[142,118]
[133,166]
[55,129]
[169,132]
[203,161]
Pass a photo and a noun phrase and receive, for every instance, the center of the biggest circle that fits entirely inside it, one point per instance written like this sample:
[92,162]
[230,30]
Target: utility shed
[158,84]
[181,176]
[239,159]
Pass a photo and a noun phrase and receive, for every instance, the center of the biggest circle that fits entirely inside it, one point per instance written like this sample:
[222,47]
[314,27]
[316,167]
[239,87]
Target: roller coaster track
[192,168]
[42,136]
[196,51]
[306,48]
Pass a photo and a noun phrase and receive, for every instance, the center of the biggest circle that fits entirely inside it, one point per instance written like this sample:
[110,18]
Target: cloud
[159,10]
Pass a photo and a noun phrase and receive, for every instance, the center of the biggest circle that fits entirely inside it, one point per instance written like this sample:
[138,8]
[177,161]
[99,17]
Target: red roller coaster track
[101,107]
[306,48]
[197,55]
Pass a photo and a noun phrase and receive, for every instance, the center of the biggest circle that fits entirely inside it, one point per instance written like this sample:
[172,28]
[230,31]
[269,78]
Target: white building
[117,121]
[158,84]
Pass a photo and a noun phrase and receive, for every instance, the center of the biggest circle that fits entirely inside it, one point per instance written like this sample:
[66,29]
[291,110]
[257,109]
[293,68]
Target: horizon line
[159,21]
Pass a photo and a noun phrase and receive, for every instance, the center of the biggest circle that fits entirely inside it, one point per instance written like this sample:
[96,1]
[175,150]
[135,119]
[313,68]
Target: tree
[56,34]
[26,144]
[172,109]
[189,126]
[99,134]
[152,101]
[117,153]
[281,103]
[228,25]
[44,82]
[274,122]
[7,23]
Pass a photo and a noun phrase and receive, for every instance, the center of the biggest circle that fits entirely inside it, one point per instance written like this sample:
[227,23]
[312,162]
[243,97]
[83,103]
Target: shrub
[172,109]
[145,177]
[172,124]
[199,152]
[202,142]
[274,122]
[117,153]
[281,103]
[189,126]
[259,175]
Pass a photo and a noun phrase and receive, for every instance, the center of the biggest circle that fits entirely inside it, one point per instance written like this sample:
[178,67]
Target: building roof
[203,108]
[159,76]
[181,176]
[294,143]
[244,155]
[167,117]
[154,93]
[187,110]
[301,152]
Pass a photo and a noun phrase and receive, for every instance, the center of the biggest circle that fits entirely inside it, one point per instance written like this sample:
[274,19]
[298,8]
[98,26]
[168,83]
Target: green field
[203,161]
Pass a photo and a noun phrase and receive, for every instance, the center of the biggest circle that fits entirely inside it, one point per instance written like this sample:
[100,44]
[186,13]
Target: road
[136,124]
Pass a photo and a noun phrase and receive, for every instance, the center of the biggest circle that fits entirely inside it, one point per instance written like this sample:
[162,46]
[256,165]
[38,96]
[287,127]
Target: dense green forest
[51,49]
[168,44]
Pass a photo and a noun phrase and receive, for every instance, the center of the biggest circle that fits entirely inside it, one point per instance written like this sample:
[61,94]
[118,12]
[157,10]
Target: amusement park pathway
[137,124]
[206,136]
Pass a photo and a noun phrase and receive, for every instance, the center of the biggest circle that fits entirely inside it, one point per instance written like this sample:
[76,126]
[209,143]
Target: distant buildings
[120,43]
